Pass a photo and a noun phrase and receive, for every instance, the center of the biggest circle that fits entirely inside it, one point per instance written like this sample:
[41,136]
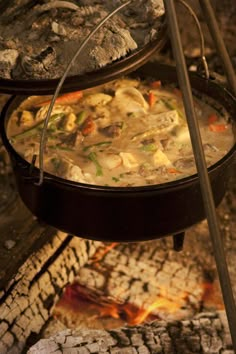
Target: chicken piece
[182,134]
[160,159]
[26,119]
[42,112]
[129,160]
[129,99]
[97,99]
[69,122]
[110,161]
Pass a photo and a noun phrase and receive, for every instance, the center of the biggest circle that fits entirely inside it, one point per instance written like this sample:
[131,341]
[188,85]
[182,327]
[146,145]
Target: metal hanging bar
[205,185]
[219,43]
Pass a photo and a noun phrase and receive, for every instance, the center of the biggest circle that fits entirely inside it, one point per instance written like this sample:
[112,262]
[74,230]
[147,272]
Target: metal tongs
[193,126]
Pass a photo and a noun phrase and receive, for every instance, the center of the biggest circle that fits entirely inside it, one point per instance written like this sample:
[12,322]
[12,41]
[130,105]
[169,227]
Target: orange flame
[101,252]
[78,297]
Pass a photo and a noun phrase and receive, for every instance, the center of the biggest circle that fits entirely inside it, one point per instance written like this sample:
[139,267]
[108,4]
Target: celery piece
[59,147]
[172,107]
[81,116]
[34,130]
[149,147]
[92,156]
[101,143]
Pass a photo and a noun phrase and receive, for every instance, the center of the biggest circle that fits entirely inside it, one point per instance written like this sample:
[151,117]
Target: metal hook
[202,41]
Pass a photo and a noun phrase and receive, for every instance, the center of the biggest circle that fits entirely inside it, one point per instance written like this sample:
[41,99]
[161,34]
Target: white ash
[29,29]
[9,244]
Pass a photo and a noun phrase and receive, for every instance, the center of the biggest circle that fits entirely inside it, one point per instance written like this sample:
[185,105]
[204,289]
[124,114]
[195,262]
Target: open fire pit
[112,285]
[78,296]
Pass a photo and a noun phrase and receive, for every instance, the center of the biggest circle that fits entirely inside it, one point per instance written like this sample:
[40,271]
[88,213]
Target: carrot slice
[155,84]
[88,126]
[151,99]
[212,118]
[173,170]
[218,127]
[67,98]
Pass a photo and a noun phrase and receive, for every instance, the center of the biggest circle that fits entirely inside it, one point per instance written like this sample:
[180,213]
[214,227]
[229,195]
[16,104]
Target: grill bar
[205,185]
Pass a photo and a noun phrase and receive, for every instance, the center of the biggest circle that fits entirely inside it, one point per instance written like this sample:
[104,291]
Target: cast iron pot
[123,214]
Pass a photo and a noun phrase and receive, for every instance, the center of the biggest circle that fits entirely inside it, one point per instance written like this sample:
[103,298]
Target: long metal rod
[205,185]
[208,12]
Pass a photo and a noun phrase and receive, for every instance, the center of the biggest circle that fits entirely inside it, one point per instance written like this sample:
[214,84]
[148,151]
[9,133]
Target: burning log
[206,333]
[132,283]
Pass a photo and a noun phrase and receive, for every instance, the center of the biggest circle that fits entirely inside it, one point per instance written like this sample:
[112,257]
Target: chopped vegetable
[60,147]
[149,147]
[93,157]
[88,126]
[212,118]
[156,84]
[101,143]
[115,179]
[67,98]
[173,170]
[151,99]
[171,106]
[34,130]
[81,116]
[218,127]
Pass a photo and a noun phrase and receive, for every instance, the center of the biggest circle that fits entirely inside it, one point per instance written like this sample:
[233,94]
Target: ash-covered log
[27,301]
[206,333]
[133,282]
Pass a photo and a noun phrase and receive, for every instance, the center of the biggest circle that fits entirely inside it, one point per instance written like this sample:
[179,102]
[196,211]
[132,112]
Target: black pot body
[123,214]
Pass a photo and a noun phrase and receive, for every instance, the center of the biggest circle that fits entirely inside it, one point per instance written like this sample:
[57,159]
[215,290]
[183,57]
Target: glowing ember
[131,284]
[78,297]
[102,251]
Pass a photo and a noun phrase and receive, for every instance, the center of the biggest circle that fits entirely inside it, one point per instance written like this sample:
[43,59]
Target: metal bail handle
[58,88]
[202,40]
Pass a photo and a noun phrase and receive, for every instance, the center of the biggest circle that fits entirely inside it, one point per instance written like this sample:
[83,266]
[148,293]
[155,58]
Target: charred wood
[26,304]
[206,333]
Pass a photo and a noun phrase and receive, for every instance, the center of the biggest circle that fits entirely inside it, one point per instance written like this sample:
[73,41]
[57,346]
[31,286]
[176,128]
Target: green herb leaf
[115,179]
[35,129]
[93,157]
[149,147]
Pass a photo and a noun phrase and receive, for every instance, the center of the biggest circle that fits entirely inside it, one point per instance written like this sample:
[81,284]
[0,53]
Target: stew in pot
[125,133]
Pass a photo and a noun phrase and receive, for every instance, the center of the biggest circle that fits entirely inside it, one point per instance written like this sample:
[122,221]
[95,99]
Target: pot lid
[39,39]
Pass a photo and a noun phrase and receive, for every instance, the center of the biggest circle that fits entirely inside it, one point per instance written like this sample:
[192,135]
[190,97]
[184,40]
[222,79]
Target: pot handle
[204,64]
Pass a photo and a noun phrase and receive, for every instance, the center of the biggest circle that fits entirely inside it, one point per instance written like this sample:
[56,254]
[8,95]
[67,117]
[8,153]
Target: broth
[125,133]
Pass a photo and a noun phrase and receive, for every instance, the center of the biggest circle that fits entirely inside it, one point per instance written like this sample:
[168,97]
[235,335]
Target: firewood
[206,333]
